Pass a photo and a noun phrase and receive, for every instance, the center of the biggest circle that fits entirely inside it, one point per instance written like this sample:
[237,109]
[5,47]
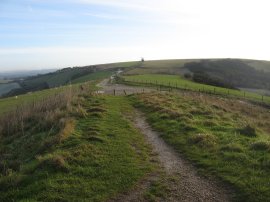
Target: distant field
[176,66]
[6,87]
[179,82]
[93,76]
[159,66]
[4,81]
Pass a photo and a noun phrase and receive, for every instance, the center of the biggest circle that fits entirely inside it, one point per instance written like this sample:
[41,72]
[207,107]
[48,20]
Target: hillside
[144,142]
[232,73]
[66,76]
[249,74]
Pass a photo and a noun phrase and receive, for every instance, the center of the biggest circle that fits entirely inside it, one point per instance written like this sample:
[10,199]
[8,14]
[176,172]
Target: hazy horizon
[39,34]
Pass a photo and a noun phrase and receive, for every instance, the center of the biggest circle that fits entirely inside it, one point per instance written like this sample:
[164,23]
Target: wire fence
[169,86]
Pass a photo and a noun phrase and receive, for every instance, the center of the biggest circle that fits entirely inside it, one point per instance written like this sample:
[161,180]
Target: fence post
[114,92]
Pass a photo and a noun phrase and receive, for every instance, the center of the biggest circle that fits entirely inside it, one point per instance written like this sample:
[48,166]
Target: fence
[169,86]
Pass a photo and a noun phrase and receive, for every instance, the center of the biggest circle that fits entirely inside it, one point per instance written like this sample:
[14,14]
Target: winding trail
[189,186]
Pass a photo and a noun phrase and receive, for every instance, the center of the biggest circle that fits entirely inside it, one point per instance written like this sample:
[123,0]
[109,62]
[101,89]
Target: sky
[40,34]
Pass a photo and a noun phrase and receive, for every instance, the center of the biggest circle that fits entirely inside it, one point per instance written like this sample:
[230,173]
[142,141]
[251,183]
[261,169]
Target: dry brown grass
[45,114]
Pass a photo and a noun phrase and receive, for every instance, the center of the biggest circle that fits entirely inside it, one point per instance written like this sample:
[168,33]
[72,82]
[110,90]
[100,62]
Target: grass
[214,133]
[176,81]
[10,103]
[93,76]
[91,154]
[7,104]
[176,66]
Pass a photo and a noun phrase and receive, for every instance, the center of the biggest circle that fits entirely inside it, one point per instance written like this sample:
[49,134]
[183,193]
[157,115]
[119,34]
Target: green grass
[104,155]
[7,104]
[175,66]
[224,138]
[179,82]
[93,76]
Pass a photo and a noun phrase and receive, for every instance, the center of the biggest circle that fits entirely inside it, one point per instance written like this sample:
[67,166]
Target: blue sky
[37,34]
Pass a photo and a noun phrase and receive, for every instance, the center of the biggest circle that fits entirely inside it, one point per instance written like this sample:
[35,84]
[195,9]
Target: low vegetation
[226,138]
[73,146]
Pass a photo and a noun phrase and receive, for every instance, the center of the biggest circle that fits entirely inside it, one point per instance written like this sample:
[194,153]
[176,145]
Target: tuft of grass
[248,131]
[261,146]
[56,162]
[232,147]
[203,140]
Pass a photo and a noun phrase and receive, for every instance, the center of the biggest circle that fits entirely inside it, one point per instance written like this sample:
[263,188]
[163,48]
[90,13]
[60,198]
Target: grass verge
[225,138]
[93,154]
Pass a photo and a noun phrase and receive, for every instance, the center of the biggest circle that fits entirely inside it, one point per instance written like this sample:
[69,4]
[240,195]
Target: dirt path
[189,185]
[120,89]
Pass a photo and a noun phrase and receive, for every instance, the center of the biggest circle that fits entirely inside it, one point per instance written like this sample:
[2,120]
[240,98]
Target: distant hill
[22,74]
[232,73]
[63,77]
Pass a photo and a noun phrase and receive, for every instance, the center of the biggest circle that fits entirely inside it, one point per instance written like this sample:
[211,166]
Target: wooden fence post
[114,92]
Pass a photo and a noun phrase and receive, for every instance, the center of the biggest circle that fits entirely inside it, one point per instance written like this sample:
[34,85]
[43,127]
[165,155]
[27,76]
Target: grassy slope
[6,104]
[211,131]
[176,66]
[101,157]
[174,80]
[93,76]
